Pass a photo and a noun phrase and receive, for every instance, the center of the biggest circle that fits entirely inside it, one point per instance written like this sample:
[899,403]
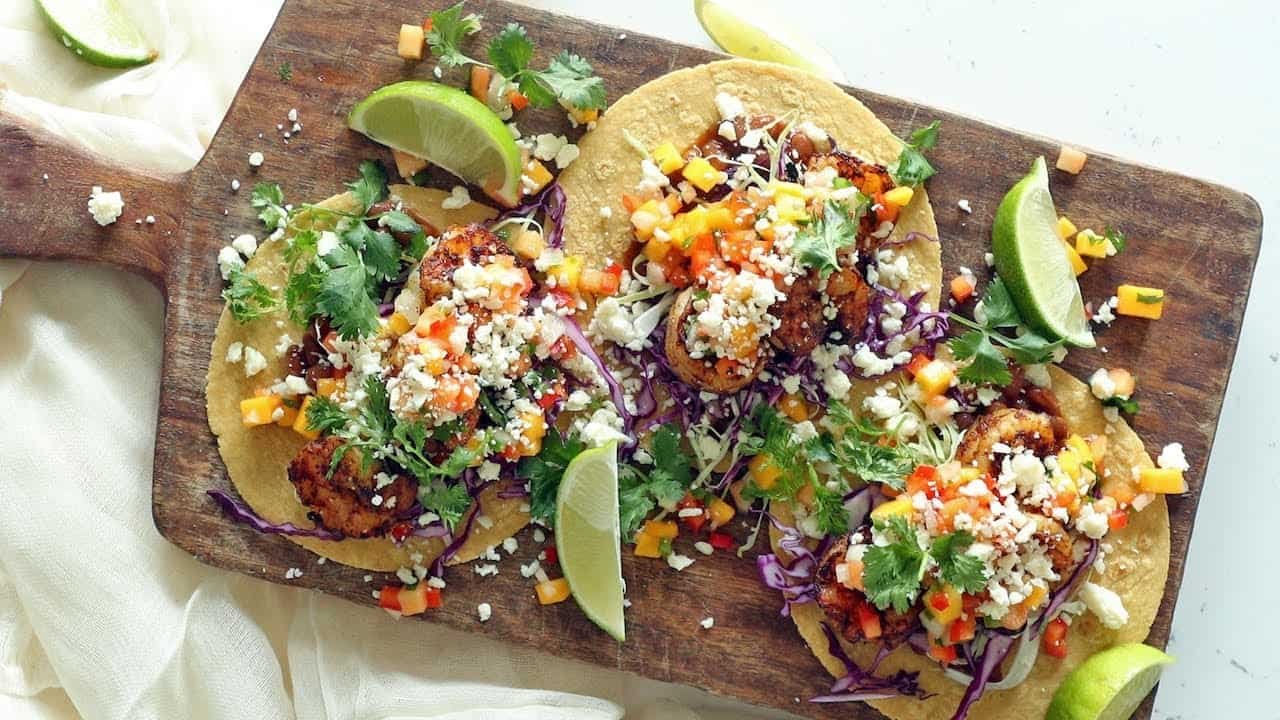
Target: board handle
[45,185]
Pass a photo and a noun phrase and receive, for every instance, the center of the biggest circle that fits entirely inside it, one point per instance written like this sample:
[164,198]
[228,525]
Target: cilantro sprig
[857,452]
[247,298]
[568,79]
[819,244]
[955,566]
[912,168]
[979,345]
[641,491]
[893,573]
[545,470]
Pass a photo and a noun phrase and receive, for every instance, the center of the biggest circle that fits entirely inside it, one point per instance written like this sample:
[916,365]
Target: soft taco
[383,367]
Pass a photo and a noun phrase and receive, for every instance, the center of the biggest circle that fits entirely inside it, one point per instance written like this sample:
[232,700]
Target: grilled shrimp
[343,501]
[456,247]
[869,178]
[841,603]
[1059,544]
[851,296]
[800,322]
[698,372]
[1015,427]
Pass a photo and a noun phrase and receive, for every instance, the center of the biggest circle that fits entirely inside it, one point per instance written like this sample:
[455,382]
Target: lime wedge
[587,542]
[1109,685]
[1033,261]
[737,34]
[97,31]
[446,127]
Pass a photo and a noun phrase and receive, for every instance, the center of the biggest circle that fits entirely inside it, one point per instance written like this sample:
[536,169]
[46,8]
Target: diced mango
[412,41]
[1071,160]
[326,387]
[288,416]
[783,189]
[398,324]
[721,513]
[1065,228]
[661,529]
[655,250]
[667,158]
[899,506]
[646,218]
[300,425]
[535,428]
[1091,244]
[528,244]
[567,273]
[719,217]
[764,472]
[408,165]
[1165,481]
[1143,302]
[1038,595]
[1077,263]
[538,176]
[944,602]
[256,411]
[552,591]
[935,377]
[702,174]
[648,545]
[1077,443]
[793,405]
[899,196]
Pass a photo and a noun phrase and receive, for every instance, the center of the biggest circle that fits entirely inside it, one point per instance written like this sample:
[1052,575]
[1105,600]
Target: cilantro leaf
[545,470]
[449,501]
[511,50]
[1029,348]
[285,71]
[640,491]
[325,416]
[818,245]
[829,510]
[380,251]
[1116,238]
[247,298]
[998,307]
[449,27]
[956,567]
[912,168]
[343,296]
[570,78]
[371,186]
[988,366]
[300,246]
[1125,404]
[301,291]
[892,573]
[268,198]
[397,221]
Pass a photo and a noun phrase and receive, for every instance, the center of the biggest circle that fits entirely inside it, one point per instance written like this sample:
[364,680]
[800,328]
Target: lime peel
[588,544]
[97,31]
[738,35]
[1109,685]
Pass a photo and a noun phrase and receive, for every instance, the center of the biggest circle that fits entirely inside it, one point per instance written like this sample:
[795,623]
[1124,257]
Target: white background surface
[1185,86]
[1175,84]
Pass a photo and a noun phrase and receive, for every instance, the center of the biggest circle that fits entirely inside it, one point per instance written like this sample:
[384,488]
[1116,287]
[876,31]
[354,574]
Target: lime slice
[446,127]
[1033,261]
[587,542]
[97,31]
[1109,685]
[739,35]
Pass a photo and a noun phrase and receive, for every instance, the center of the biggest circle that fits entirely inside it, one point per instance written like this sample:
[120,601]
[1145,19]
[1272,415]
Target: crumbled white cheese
[254,361]
[729,106]
[246,245]
[707,623]
[235,351]
[1106,604]
[105,207]
[1101,384]
[678,561]
[484,611]
[458,198]
[1172,457]
[566,155]
[510,545]
[229,260]
[703,547]
[256,159]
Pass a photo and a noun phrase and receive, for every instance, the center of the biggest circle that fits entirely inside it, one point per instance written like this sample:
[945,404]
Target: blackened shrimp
[800,323]
[870,179]
[842,604]
[457,246]
[704,374]
[851,296]
[344,499]
[1013,427]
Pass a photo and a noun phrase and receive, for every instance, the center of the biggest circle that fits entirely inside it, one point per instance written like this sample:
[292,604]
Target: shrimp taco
[383,367]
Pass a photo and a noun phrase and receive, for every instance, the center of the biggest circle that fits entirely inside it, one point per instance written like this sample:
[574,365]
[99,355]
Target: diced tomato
[939,602]
[563,298]
[548,399]
[721,541]
[674,271]
[563,349]
[726,367]
[550,554]
[962,629]
[389,598]
[1055,638]
[869,621]
[918,361]
[400,531]
[961,288]
[925,479]
[945,654]
[630,203]
[427,24]
[518,100]
[1118,519]
[885,212]
[693,522]
[480,77]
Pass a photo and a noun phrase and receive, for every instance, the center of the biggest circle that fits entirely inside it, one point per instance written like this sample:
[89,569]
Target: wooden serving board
[1197,239]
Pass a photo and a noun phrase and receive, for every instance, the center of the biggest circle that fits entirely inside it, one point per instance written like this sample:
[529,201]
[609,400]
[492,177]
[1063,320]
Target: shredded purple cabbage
[437,567]
[551,203]
[915,319]
[859,684]
[996,650]
[433,530]
[240,512]
[579,339]
[794,581]
[1065,591]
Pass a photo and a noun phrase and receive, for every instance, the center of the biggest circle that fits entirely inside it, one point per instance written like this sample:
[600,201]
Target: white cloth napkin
[100,617]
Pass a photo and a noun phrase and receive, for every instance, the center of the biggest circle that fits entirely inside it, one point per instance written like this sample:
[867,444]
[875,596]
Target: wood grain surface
[1198,240]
